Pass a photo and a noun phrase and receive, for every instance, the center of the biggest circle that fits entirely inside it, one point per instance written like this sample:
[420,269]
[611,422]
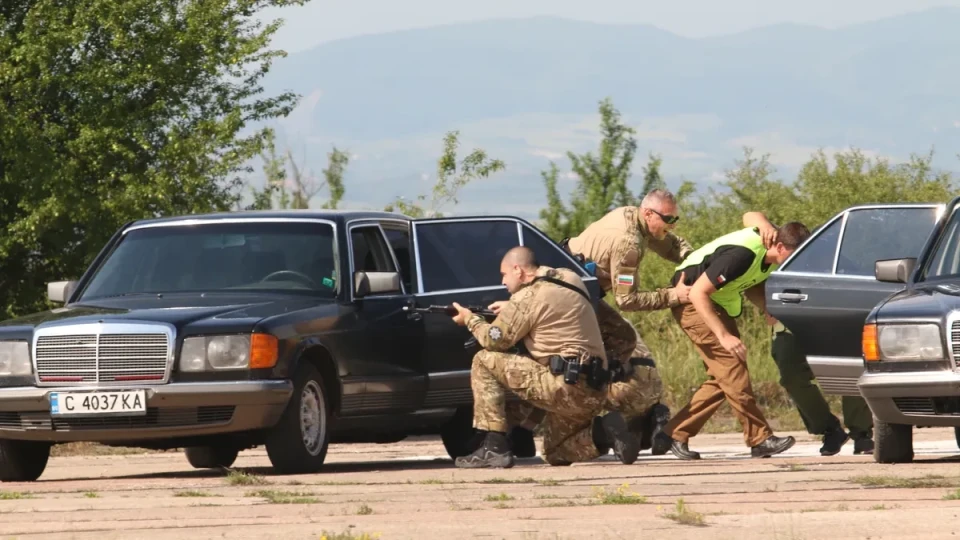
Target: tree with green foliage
[451,178]
[602,179]
[280,192]
[114,110]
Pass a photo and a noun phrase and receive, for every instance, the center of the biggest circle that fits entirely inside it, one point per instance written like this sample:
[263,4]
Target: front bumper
[173,410]
[919,398]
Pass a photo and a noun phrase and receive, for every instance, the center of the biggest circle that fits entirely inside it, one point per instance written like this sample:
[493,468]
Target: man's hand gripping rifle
[452,312]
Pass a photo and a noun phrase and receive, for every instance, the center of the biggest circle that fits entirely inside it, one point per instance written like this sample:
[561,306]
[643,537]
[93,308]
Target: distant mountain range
[527,90]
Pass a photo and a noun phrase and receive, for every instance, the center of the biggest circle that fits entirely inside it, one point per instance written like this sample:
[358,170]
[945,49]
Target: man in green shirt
[720,272]
[797,378]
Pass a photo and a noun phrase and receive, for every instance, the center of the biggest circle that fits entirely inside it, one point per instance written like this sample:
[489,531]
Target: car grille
[955,342]
[117,358]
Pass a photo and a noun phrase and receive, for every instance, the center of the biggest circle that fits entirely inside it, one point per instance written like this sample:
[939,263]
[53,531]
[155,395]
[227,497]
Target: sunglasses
[670,220]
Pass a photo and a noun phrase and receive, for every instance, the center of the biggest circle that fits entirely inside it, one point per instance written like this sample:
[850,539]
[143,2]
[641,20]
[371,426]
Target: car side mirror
[894,270]
[367,283]
[60,291]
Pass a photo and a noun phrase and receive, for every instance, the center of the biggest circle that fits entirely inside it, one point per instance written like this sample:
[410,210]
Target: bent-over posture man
[550,310]
[617,243]
[720,271]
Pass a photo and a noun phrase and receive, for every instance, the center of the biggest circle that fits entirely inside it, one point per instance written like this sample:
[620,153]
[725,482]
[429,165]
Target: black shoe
[615,434]
[661,416]
[679,449]
[773,445]
[493,454]
[833,441]
[863,446]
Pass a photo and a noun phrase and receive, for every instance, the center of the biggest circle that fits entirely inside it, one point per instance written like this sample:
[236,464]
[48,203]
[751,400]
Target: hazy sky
[326,20]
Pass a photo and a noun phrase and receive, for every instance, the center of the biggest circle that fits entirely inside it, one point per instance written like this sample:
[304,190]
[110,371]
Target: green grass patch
[620,496]
[930,481]
[284,497]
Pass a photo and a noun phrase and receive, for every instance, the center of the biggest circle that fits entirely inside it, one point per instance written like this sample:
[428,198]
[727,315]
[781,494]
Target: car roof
[331,215]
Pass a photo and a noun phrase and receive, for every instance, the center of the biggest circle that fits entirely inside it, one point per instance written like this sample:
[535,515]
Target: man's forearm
[701,302]
[647,300]
[756,219]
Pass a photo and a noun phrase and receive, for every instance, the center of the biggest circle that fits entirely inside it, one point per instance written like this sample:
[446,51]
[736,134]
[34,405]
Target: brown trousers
[729,379]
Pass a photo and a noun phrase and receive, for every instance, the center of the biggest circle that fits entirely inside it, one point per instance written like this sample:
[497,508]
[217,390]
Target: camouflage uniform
[552,321]
[617,243]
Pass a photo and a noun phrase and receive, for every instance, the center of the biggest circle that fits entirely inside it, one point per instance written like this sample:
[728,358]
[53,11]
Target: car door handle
[789,297]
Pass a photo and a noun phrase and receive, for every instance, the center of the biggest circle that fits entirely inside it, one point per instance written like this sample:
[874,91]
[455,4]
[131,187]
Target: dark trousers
[797,378]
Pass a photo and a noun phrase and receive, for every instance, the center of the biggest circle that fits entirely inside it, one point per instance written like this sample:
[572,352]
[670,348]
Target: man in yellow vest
[719,272]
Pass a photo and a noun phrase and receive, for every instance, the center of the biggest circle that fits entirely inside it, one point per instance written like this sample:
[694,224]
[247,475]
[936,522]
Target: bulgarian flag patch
[624,279]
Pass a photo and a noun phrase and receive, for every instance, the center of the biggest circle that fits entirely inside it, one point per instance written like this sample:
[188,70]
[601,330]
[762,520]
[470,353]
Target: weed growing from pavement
[192,493]
[501,497]
[952,496]
[929,481]
[285,497]
[12,495]
[685,516]
[620,496]
[364,510]
[91,495]
[348,535]
[236,477]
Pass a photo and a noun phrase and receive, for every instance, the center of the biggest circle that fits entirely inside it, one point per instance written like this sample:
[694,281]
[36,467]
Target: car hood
[931,302]
[217,312]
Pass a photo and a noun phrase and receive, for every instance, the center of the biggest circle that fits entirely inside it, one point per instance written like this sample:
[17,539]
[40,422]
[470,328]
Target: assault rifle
[452,311]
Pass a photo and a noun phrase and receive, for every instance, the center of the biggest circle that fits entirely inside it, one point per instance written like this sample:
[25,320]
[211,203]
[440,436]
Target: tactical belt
[597,377]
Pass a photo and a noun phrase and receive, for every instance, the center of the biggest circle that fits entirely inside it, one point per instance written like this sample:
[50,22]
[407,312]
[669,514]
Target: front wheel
[298,443]
[212,457]
[956,435]
[894,442]
[22,461]
[458,436]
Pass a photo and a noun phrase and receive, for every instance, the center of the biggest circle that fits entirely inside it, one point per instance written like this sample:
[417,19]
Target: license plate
[132,402]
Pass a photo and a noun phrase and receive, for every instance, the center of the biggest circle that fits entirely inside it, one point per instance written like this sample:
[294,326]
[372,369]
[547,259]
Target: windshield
[945,262]
[295,257]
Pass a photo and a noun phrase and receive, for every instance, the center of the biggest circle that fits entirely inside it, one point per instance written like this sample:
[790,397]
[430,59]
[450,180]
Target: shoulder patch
[721,279]
[494,333]
[625,280]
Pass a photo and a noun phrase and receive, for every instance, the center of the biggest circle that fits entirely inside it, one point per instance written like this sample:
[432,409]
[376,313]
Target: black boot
[679,449]
[863,445]
[493,454]
[773,445]
[611,431]
[833,441]
[661,417]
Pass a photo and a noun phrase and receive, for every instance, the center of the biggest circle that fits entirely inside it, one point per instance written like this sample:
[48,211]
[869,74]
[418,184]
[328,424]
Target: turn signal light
[871,352]
[263,351]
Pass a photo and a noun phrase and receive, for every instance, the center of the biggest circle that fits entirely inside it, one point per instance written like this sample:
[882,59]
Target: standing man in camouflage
[617,243]
[550,310]
[797,378]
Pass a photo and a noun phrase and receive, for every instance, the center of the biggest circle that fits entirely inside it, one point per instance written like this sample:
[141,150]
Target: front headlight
[905,342]
[224,353]
[14,359]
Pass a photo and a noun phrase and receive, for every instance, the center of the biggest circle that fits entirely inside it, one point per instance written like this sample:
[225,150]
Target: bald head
[518,267]
[521,256]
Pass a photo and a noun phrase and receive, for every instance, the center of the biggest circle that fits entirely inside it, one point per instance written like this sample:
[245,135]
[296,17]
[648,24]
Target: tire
[956,435]
[298,443]
[22,461]
[211,457]
[894,442]
[458,436]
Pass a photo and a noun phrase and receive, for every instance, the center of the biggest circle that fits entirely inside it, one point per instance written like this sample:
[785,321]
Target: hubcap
[313,417]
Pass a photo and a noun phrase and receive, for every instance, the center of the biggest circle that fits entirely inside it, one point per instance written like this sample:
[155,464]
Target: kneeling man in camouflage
[564,375]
